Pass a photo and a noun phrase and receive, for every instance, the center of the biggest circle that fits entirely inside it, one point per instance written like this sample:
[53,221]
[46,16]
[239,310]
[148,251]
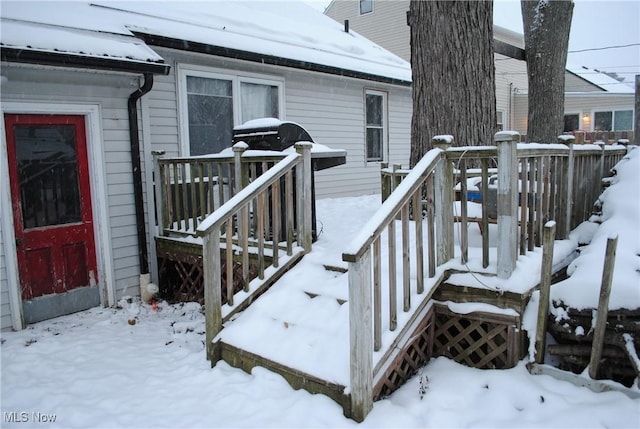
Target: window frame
[613,111]
[384,127]
[236,78]
[500,124]
[361,2]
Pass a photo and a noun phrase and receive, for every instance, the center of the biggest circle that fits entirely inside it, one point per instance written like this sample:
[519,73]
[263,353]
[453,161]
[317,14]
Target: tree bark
[546,24]
[453,73]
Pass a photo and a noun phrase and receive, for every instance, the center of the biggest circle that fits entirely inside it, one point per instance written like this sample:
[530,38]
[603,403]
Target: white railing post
[159,191]
[238,150]
[304,196]
[443,202]
[361,336]
[212,293]
[507,142]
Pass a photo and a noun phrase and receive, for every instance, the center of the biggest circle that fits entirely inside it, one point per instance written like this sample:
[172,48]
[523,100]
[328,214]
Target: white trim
[385,124]
[8,236]
[236,77]
[98,182]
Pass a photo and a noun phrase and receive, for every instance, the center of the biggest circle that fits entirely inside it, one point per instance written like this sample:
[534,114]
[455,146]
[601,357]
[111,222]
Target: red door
[49,175]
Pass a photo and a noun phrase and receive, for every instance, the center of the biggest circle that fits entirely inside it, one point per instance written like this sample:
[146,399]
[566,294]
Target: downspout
[145,287]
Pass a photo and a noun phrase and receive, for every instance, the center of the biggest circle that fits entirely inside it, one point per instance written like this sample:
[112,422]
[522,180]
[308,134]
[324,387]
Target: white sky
[596,24]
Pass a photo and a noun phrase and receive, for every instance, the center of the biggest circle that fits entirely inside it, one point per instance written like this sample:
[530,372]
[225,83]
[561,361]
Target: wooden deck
[357,336]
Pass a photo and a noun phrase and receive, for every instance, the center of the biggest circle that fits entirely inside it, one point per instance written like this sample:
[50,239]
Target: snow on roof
[289,30]
[601,80]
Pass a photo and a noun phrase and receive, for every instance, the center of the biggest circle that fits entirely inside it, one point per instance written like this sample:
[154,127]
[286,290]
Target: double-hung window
[214,103]
[375,125]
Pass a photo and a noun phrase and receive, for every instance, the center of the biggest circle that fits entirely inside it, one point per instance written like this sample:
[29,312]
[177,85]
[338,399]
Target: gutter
[30,56]
[137,170]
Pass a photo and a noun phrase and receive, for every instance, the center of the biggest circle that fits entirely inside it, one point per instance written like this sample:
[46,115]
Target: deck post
[360,337]
[238,149]
[545,288]
[160,191]
[507,193]
[603,306]
[304,196]
[212,293]
[569,196]
[443,201]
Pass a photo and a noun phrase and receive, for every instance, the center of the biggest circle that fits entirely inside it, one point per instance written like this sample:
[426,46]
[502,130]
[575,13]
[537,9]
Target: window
[617,120]
[499,120]
[571,122]
[366,6]
[214,103]
[375,118]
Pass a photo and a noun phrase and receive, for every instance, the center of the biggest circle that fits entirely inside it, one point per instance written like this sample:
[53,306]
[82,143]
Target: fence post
[507,142]
[212,293]
[443,201]
[545,286]
[238,150]
[304,196]
[603,306]
[569,195]
[602,149]
[360,337]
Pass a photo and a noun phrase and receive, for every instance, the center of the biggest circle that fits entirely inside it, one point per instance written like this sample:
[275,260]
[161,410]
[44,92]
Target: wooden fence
[531,187]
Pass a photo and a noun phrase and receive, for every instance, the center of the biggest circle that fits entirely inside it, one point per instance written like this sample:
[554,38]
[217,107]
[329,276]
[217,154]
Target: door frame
[102,233]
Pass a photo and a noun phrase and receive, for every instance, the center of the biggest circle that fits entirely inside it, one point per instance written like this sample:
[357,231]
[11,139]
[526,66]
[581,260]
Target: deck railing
[262,221]
[191,188]
[414,229]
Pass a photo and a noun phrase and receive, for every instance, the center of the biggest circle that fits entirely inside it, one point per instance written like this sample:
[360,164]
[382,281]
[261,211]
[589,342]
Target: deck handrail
[263,198]
[532,188]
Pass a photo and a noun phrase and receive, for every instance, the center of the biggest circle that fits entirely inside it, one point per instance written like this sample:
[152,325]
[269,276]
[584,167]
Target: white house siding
[110,92]
[573,83]
[330,107]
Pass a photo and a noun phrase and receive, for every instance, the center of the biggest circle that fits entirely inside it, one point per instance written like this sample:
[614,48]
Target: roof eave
[60,59]
[220,51]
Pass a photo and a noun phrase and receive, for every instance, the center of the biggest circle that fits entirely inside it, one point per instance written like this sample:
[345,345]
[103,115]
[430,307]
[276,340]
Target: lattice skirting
[478,340]
[181,277]
[410,359]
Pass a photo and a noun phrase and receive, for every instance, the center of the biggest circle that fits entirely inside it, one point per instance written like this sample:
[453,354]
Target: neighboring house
[593,102]
[90,90]
[597,101]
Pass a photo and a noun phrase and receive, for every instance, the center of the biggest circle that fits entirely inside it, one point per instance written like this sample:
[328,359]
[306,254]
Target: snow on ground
[620,217]
[136,367]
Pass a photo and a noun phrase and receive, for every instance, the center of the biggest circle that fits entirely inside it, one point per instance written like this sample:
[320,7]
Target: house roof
[289,33]
[600,80]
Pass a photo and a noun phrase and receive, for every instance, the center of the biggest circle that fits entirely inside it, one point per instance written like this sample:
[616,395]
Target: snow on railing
[268,201]
[527,186]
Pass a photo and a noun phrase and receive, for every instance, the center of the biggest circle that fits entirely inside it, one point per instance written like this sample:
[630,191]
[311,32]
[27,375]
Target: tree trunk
[453,73]
[546,38]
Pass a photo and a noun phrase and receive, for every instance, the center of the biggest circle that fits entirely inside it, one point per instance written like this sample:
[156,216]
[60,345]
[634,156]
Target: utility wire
[604,47]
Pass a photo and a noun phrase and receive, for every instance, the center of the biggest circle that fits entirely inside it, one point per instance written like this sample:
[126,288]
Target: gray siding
[386,25]
[574,83]
[330,107]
